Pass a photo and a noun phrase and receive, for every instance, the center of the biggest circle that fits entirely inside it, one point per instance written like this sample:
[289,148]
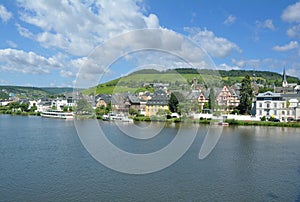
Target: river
[44,160]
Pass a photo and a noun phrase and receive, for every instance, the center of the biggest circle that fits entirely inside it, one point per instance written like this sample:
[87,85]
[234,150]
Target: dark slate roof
[158,100]
[133,99]
[193,95]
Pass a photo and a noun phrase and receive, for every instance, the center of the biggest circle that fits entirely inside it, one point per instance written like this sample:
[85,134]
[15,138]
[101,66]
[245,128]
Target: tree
[211,100]
[173,103]
[246,96]
[83,107]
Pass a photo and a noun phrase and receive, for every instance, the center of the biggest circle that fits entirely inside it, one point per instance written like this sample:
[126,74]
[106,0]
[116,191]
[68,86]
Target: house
[199,96]
[102,100]
[156,103]
[227,98]
[270,104]
[120,103]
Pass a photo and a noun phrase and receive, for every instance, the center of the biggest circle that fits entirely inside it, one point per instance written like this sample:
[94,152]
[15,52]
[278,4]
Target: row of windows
[288,112]
[273,105]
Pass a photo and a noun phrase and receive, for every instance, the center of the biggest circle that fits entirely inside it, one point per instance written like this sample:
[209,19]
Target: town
[282,104]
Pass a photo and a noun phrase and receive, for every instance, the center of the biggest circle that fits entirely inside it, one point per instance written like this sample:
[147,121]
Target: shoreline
[231,122]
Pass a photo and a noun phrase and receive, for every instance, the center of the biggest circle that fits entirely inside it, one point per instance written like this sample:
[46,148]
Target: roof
[134,99]
[269,94]
[158,100]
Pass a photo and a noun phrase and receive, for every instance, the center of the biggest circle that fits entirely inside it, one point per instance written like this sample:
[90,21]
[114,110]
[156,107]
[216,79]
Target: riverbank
[231,122]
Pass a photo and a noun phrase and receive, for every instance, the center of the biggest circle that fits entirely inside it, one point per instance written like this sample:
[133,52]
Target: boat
[222,124]
[119,117]
[57,114]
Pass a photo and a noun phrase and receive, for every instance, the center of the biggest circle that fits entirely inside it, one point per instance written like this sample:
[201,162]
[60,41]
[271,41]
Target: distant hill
[31,92]
[57,90]
[177,78]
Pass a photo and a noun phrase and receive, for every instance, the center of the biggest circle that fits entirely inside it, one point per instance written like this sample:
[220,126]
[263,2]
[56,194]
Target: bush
[263,118]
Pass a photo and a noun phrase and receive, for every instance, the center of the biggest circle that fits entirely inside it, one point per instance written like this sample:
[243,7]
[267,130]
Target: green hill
[176,78]
[31,92]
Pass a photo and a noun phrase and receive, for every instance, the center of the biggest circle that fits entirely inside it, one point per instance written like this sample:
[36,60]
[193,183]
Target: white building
[270,104]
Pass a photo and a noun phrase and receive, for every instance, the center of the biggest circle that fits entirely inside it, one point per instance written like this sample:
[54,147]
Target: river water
[44,160]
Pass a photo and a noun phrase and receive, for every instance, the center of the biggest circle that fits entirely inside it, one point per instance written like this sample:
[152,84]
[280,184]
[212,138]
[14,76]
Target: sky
[46,43]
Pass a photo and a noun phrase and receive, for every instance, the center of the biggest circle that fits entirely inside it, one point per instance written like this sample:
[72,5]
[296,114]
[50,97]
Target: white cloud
[11,44]
[66,74]
[229,20]
[294,31]
[294,70]
[13,60]
[291,13]
[267,24]
[4,14]
[216,46]
[287,47]
[227,67]
[24,32]
[81,25]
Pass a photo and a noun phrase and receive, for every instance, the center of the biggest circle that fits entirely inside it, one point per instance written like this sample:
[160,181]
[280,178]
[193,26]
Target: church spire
[284,81]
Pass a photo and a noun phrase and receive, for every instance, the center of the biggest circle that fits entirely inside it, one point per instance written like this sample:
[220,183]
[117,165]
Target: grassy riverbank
[262,123]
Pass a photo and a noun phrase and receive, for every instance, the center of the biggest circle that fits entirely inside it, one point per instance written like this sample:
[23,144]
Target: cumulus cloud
[13,60]
[81,25]
[287,47]
[294,31]
[229,20]
[291,13]
[4,14]
[216,46]
[267,24]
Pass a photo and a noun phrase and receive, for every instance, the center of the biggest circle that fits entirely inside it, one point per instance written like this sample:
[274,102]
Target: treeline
[223,73]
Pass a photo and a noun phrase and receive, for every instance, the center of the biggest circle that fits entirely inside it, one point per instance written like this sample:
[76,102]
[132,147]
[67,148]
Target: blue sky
[45,43]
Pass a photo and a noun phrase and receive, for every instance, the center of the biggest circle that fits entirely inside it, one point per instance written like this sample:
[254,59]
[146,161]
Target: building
[227,98]
[287,88]
[275,105]
[270,104]
[102,100]
[156,103]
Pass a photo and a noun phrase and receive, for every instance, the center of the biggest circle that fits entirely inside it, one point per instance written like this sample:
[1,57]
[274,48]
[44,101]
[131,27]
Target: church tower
[284,81]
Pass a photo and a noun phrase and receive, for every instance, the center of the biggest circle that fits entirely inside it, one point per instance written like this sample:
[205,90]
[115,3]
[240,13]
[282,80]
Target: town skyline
[40,49]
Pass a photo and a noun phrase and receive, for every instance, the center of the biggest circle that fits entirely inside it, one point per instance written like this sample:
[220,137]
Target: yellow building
[156,104]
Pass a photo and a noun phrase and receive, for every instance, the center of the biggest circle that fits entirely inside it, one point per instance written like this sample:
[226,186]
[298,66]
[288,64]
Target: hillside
[178,78]
[31,92]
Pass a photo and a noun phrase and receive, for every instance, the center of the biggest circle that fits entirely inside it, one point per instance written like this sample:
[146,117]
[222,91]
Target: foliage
[264,89]
[246,96]
[133,112]
[173,103]
[263,118]
[83,107]
[211,100]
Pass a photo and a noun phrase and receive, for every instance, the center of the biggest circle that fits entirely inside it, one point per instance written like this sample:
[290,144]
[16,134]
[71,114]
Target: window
[260,105]
[268,105]
[288,112]
[282,112]
[275,112]
[275,105]
[260,112]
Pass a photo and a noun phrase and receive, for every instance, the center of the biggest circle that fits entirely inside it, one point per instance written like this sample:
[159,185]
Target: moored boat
[57,114]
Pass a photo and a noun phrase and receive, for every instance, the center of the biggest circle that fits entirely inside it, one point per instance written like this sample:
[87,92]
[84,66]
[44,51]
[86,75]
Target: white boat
[57,114]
